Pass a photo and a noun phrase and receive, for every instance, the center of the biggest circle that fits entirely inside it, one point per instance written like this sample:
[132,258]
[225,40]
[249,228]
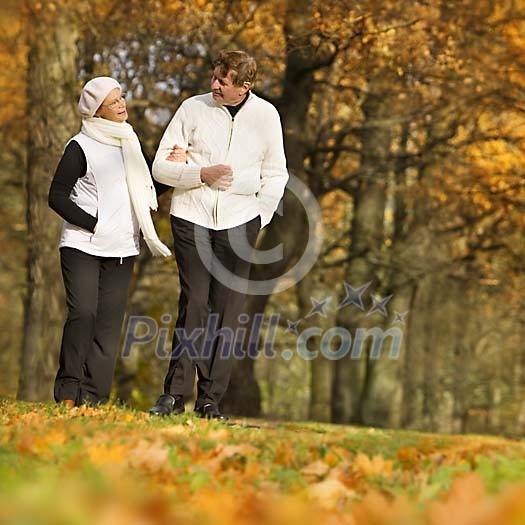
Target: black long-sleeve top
[71,167]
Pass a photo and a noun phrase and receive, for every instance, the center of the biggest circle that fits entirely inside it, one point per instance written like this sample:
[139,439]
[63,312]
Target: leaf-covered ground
[115,466]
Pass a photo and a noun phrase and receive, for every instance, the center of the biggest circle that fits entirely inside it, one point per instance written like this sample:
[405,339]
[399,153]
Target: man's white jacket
[251,143]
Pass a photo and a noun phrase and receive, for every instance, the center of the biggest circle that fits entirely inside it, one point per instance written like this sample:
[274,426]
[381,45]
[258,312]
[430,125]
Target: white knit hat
[93,94]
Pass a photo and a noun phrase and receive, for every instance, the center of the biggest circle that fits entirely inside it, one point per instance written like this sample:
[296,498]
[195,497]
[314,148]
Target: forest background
[404,119]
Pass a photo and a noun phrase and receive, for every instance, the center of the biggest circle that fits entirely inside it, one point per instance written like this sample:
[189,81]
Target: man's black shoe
[168,405]
[211,411]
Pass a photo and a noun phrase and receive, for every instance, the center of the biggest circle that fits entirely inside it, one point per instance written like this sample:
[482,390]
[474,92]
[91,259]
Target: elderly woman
[103,190]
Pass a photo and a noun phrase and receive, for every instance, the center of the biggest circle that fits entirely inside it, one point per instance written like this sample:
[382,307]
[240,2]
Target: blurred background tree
[405,120]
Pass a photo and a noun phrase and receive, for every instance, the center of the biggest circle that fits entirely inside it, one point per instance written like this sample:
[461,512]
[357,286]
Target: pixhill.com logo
[337,342]
[235,342]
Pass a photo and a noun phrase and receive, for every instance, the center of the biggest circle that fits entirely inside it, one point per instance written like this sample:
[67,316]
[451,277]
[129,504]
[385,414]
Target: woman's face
[114,107]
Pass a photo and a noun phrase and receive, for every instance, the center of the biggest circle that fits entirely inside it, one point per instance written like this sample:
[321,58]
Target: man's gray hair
[242,65]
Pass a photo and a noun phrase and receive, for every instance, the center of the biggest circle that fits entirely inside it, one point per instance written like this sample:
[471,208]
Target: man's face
[223,90]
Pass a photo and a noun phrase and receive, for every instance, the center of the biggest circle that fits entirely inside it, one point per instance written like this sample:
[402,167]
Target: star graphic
[400,318]
[318,307]
[292,326]
[353,295]
[379,304]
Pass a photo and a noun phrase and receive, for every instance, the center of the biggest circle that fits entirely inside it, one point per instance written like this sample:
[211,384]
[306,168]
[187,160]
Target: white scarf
[138,178]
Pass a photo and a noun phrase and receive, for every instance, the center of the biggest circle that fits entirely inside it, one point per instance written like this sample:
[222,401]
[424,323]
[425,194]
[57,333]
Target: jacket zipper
[216,207]
[231,133]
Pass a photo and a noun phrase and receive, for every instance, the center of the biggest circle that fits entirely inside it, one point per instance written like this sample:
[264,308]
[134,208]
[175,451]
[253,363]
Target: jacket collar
[251,97]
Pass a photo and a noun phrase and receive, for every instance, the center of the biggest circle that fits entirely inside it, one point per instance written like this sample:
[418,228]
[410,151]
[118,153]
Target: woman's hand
[177,154]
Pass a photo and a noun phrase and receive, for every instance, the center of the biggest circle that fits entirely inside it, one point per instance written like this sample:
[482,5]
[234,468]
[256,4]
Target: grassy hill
[114,466]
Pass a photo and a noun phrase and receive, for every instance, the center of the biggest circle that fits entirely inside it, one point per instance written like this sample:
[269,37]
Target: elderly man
[229,187]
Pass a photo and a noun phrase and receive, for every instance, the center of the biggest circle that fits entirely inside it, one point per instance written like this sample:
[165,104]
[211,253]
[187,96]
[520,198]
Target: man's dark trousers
[200,252]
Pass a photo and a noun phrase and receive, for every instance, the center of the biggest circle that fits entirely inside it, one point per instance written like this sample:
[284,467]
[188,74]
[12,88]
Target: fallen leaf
[376,466]
[315,471]
[330,494]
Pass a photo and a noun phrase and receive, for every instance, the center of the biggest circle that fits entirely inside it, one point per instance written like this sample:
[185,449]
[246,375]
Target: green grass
[115,459]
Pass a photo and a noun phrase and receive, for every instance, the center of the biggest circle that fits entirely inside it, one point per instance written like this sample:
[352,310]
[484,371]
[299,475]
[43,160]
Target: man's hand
[177,154]
[219,177]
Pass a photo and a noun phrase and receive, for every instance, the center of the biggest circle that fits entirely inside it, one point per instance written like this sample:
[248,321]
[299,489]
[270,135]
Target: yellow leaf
[330,493]
[464,504]
[315,471]
[106,453]
[376,466]
[151,457]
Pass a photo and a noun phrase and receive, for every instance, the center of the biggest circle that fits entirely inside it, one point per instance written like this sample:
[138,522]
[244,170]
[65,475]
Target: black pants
[203,294]
[96,294]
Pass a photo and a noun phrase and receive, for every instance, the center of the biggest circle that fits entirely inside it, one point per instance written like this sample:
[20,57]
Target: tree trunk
[367,240]
[243,394]
[410,368]
[430,326]
[51,121]
[321,367]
